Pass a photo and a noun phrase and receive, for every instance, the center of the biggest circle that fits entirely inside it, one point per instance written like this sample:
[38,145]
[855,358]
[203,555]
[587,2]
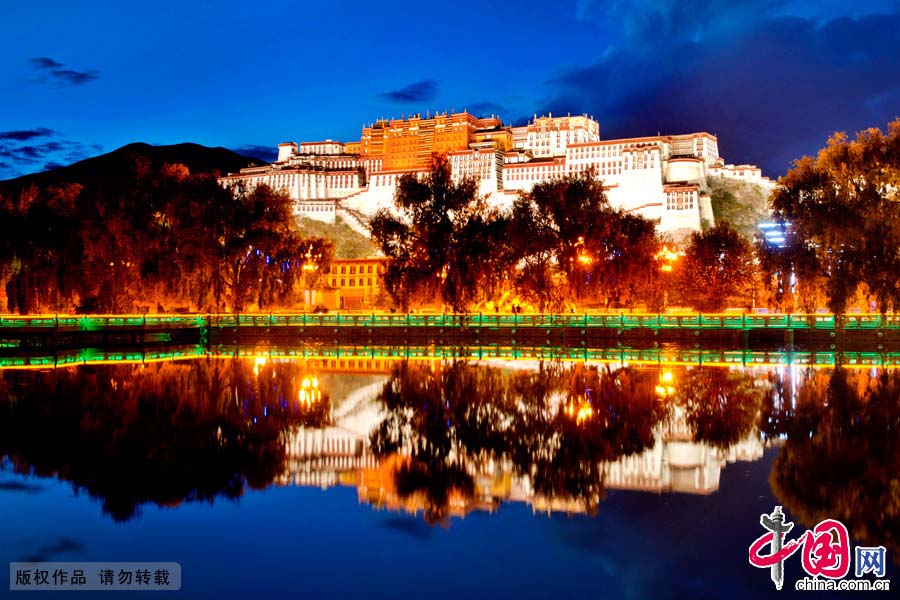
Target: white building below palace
[660,177]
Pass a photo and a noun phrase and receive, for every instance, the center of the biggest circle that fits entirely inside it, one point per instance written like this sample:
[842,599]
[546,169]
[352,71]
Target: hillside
[110,166]
[347,243]
[742,204]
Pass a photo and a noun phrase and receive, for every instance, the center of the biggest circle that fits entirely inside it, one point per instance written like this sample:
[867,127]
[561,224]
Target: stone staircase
[354,219]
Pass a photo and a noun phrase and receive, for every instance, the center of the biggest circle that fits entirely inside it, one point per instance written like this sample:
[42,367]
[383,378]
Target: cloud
[264,153]
[52,550]
[33,152]
[483,109]
[772,87]
[20,154]
[42,62]
[74,77]
[413,528]
[26,134]
[62,546]
[52,71]
[19,486]
[420,91]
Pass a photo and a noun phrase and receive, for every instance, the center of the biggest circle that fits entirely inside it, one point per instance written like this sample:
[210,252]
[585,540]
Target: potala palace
[662,177]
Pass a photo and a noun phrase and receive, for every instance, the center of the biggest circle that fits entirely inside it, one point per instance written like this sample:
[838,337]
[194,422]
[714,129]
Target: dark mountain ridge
[197,158]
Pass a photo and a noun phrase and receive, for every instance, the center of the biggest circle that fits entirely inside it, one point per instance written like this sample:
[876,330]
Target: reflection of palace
[678,464]
[340,455]
[323,457]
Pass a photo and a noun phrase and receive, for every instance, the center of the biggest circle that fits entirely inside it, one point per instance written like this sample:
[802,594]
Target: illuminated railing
[495,321]
[93,356]
[100,322]
[338,357]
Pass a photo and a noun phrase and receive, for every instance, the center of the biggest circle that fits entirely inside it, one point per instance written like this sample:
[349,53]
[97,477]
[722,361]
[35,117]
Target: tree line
[559,246]
[153,238]
[843,239]
[165,238]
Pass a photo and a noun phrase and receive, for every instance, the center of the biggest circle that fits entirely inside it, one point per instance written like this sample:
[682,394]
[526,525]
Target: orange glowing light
[309,392]
[581,412]
[665,387]
[667,257]
[259,363]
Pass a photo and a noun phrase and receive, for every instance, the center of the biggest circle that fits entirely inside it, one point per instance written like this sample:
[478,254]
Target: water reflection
[442,438]
[841,458]
[165,433]
[472,436]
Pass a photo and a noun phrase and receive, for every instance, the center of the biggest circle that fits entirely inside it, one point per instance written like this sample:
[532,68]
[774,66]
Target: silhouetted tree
[842,207]
[441,242]
[152,236]
[569,243]
[718,264]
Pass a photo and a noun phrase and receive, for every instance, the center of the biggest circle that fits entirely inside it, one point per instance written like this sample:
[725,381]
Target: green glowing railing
[489,321]
[649,356]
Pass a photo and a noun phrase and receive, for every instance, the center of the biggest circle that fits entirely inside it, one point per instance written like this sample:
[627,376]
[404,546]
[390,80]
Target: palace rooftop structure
[660,177]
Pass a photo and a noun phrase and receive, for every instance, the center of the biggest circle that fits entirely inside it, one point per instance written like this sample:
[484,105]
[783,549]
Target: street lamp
[666,259]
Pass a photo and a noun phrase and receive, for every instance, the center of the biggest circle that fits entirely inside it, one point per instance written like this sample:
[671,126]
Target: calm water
[395,477]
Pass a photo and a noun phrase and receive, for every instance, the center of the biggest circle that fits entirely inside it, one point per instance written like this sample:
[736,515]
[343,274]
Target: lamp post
[666,259]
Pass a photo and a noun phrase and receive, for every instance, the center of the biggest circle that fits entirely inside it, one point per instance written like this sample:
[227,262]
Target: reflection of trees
[723,407]
[163,433]
[841,459]
[557,426]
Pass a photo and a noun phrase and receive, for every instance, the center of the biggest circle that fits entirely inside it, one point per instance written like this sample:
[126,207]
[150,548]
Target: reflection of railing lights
[665,387]
[309,393]
[259,363]
[581,413]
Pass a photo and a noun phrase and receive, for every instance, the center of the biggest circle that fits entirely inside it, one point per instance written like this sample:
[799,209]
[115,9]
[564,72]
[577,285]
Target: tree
[569,242]
[437,239]
[718,263]
[844,210]
[261,250]
[149,236]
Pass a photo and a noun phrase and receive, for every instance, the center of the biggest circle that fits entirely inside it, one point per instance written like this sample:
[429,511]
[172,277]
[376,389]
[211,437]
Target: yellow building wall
[354,284]
[410,143]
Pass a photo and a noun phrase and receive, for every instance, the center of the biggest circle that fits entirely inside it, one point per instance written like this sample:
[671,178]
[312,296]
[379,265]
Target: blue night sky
[772,78]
